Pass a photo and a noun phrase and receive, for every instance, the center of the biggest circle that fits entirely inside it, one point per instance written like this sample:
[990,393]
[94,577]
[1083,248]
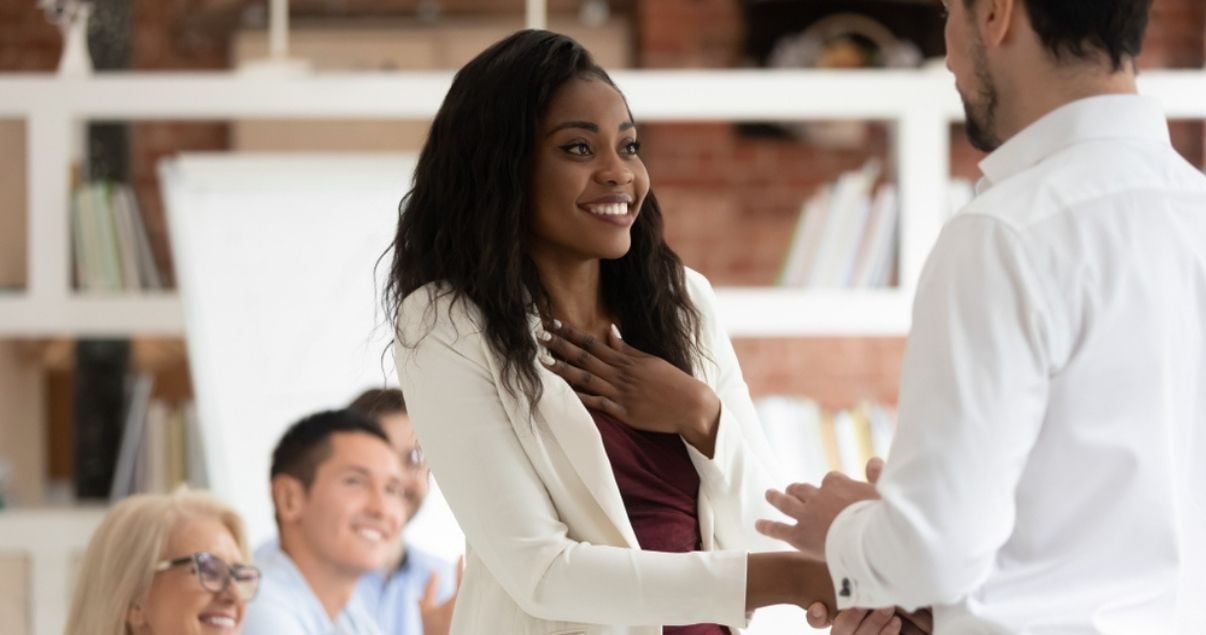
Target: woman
[164,564]
[529,239]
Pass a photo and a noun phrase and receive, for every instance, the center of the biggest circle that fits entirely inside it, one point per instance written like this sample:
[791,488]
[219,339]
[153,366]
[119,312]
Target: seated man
[415,592]
[337,490]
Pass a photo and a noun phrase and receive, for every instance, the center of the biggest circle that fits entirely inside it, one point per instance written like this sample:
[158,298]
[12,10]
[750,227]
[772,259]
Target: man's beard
[980,125]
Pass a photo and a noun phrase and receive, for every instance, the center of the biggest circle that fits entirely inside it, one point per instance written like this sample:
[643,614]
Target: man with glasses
[337,490]
[415,592]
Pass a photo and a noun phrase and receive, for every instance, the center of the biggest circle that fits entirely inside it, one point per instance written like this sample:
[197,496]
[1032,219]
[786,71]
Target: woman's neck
[574,295]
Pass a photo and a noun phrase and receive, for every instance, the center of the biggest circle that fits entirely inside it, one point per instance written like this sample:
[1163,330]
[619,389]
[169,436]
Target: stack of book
[161,445]
[846,235]
[109,239]
[810,441]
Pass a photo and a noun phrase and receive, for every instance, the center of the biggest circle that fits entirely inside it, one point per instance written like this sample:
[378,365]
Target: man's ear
[288,496]
[995,18]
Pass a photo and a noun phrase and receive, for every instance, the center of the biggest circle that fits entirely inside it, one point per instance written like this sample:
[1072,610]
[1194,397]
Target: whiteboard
[274,258]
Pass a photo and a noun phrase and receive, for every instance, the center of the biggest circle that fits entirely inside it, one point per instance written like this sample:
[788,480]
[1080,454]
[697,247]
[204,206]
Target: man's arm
[973,397]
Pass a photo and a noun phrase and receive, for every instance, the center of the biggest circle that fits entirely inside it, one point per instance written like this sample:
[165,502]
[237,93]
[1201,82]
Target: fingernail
[557,324]
[544,357]
[615,330]
[815,612]
[543,336]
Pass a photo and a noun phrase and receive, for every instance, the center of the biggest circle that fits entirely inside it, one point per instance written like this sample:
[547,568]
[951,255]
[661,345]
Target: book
[847,217]
[801,255]
[133,433]
[127,245]
[106,238]
[876,253]
[148,272]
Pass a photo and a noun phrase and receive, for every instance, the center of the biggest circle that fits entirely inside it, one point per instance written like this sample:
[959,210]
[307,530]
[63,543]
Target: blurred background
[171,169]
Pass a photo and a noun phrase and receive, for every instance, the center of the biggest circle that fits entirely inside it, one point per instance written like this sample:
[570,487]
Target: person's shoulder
[699,288]
[436,307]
[425,562]
[275,610]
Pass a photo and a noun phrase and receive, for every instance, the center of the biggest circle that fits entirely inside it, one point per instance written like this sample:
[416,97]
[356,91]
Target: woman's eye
[632,147]
[577,149]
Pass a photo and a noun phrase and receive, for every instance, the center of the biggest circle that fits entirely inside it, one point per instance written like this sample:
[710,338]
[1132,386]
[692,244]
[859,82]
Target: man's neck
[1061,86]
[331,585]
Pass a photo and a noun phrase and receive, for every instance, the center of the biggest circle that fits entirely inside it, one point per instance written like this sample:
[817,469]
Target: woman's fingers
[609,351]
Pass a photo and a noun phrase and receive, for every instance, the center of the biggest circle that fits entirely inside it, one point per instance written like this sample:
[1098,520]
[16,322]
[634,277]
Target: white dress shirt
[286,605]
[1049,470]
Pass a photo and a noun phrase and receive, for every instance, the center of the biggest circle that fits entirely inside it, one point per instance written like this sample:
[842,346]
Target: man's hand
[886,621]
[437,617]
[814,509]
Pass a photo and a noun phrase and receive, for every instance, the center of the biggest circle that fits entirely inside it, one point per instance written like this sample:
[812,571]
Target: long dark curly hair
[466,222]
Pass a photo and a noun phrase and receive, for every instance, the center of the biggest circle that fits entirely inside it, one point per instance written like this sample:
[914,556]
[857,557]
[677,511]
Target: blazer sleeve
[742,467]
[505,512]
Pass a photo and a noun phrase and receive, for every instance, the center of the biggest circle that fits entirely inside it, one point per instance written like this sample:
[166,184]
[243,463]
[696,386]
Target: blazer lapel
[575,431]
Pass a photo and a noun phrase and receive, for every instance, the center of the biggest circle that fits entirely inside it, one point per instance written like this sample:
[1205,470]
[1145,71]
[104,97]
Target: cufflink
[845,592]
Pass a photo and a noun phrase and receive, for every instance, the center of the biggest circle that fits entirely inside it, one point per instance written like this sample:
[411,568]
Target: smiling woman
[164,564]
[602,488]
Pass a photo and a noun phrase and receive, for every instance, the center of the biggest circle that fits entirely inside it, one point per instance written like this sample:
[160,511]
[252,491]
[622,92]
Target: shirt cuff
[853,581]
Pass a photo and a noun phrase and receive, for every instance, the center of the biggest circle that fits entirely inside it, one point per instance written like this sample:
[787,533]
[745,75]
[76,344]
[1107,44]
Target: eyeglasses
[414,460]
[215,575]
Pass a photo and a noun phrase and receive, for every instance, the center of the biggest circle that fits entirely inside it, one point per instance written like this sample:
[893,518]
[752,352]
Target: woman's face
[588,181]
[176,602]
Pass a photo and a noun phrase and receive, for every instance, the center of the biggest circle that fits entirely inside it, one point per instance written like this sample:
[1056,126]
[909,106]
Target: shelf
[746,312]
[921,104]
[773,312]
[100,316]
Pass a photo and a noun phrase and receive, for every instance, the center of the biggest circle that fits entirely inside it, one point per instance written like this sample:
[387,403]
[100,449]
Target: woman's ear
[136,617]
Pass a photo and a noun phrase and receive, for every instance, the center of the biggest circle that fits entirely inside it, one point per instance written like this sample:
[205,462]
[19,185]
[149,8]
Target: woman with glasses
[164,564]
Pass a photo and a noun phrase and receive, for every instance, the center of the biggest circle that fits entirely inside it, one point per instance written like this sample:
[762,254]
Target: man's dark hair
[375,402]
[1083,29]
[307,443]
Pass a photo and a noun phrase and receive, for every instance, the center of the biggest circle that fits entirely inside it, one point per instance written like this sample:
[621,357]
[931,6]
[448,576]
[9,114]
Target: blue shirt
[287,606]
[394,601]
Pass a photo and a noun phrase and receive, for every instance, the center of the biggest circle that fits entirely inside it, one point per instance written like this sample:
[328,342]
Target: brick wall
[723,191]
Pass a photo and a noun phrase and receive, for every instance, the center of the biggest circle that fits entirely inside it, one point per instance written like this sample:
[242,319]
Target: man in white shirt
[1047,474]
[337,492]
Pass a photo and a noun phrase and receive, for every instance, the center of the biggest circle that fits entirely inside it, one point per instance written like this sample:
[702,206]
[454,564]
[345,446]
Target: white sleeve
[507,516]
[972,400]
[742,467]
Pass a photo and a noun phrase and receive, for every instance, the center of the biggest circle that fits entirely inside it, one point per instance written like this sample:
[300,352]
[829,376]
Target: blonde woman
[173,563]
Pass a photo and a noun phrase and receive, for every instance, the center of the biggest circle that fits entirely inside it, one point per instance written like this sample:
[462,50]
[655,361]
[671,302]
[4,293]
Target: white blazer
[550,549]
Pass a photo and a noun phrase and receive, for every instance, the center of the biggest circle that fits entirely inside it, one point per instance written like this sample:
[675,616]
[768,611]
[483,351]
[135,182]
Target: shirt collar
[1092,118]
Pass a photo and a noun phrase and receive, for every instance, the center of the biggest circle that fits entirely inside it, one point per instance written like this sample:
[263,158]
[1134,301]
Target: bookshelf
[920,105]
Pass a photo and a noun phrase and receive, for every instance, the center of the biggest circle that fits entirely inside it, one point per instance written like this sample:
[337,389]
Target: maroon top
[660,488]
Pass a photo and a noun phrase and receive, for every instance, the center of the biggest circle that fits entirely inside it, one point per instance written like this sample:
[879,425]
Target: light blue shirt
[287,606]
[394,601]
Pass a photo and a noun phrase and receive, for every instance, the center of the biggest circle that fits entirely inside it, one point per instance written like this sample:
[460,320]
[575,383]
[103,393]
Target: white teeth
[611,209]
[220,621]
[370,534]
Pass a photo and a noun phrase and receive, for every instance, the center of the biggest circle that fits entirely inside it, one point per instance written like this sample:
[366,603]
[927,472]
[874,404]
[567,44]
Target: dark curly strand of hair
[466,221]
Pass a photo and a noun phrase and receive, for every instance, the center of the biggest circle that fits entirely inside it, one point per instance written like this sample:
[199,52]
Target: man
[1046,476]
[337,490]
[415,592]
